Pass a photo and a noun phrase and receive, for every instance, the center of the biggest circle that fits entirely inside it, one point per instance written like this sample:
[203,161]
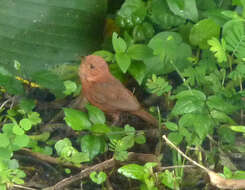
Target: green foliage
[202,31]
[163,16]
[12,85]
[93,145]
[142,173]
[68,153]
[50,81]
[218,49]
[13,136]
[164,46]
[132,12]
[186,9]
[120,145]
[70,87]
[196,46]
[98,178]
[158,85]
[77,120]
[169,179]
[233,34]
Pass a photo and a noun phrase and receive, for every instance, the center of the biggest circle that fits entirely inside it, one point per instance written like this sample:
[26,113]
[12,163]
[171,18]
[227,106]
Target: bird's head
[93,67]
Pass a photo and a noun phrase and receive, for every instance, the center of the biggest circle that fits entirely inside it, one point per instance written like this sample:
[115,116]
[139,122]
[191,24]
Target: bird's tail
[146,117]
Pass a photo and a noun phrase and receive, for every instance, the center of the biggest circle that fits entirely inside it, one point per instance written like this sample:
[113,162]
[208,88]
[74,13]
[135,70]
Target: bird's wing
[114,96]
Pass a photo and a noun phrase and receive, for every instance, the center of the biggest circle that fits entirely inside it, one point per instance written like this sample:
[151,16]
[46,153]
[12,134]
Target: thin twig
[183,154]
[174,167]
[23,187]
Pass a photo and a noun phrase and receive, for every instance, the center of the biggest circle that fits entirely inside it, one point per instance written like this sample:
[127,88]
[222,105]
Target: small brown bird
[106,92]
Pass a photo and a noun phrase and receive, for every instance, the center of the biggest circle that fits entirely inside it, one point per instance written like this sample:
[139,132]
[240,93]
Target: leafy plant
[14,137]
[158,85]
[121,145]
[98,178]
[142,173]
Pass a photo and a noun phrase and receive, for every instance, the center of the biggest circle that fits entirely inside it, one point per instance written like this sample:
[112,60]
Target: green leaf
[78,157]
[143,32]
[121,155]
[188,105]
[119,45]
[158,85]
[4,139]
[233,33]
[67,171]
[227,135]
[218,49]
[203,31]
[133,171]
[150,165]
[106,55]
[162,16]
[168,179]
[221,104]
[126,142]
[131,13]
[194,93]
[198,124]
[100,129]
[129,130]
[95,114]
[70,87]
[175,137]
[164,45]
[222,117]
[238,175]
[48,33]
[13,164]
[21,141]
[12,85]
[77,120]
[27,104]
[50,81]
[25,124]
[34,117]
[139,52]
[227,172]
[93,145]
[186,9]
[98,178]
[61,144]
[17,130]
[3,187]
[140,139]
[5,154]
[171,126]
[123,61]
[238,128]
[138,71]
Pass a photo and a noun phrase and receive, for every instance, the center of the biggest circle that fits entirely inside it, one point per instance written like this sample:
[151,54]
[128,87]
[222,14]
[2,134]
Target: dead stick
[101,166]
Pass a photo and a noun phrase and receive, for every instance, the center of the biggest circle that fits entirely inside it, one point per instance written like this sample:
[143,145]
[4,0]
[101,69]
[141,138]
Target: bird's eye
[91,66]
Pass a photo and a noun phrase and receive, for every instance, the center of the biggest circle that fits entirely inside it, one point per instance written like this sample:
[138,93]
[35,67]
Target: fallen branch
[111,163]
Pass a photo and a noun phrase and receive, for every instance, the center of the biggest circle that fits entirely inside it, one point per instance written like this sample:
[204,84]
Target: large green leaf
[164,46]
[234,33]
[42,34]
[162,16]
[186,9]
[203,31]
